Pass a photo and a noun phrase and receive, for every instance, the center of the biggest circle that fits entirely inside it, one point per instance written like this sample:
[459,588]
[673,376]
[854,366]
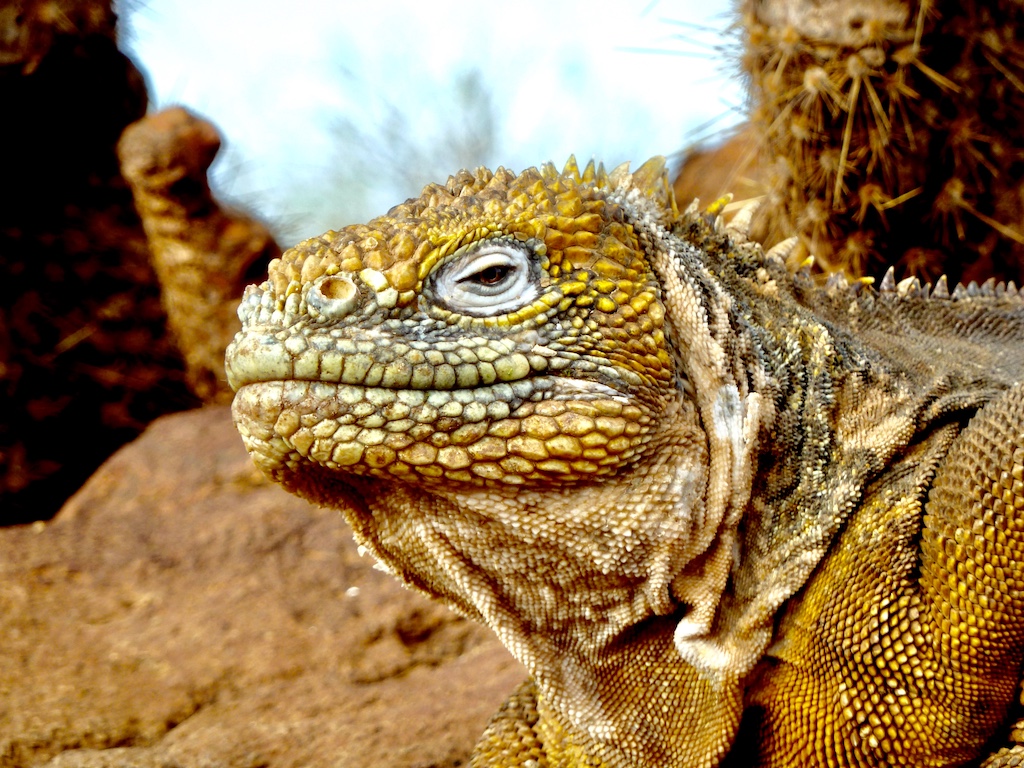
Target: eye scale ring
[492,279]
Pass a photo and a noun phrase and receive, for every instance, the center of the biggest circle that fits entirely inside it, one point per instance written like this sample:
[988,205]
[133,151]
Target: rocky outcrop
[85,358]
[204,253]
[181,611]
[103,326]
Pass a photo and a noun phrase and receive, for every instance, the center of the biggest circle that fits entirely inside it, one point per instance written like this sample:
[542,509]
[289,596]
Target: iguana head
[487,382]
[500,330]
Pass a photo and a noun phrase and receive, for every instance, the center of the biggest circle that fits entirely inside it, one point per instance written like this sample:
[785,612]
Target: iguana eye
[490,280]
[492,275]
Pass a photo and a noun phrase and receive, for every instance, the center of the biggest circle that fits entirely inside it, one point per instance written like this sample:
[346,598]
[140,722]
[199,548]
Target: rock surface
[182,611]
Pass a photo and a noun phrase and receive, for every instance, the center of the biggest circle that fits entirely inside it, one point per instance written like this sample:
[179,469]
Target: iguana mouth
[387,362]
[534,429]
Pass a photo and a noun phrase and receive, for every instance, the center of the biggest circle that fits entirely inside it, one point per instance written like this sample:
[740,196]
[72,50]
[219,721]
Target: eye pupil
[492,275]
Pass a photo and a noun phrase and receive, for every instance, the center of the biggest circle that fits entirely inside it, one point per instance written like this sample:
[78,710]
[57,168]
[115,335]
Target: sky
[335,111]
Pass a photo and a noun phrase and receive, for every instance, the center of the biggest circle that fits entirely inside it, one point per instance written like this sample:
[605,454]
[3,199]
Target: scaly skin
[720,514]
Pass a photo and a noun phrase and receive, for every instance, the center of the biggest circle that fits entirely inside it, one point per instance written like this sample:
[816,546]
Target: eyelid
[484,261]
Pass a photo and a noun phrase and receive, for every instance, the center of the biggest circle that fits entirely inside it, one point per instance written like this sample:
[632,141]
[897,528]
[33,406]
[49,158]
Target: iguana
[719,512]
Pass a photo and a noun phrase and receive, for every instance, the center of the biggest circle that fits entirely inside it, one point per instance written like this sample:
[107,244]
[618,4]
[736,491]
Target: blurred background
[335,111]
[120,269]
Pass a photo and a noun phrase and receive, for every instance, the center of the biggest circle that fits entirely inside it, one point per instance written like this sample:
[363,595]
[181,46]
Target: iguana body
[720,514]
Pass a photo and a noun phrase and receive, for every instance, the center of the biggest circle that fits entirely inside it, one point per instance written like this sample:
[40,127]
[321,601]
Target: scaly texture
[720,514]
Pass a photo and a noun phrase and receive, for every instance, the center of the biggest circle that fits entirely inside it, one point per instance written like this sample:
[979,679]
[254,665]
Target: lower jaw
[539,430]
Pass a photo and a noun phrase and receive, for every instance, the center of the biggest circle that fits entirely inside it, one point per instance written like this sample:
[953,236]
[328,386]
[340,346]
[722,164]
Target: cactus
[891,132]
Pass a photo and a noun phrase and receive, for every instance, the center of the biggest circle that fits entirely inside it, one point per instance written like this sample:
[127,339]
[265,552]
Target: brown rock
[85,358]
[181,611]
[204,253]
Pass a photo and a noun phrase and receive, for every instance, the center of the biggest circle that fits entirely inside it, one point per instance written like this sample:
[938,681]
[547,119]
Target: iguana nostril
[333,296]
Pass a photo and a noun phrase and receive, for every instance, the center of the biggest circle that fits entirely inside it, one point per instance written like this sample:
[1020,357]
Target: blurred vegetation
[389,147]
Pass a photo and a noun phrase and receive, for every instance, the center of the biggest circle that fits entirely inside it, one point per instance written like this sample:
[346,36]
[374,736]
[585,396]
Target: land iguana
[718,511]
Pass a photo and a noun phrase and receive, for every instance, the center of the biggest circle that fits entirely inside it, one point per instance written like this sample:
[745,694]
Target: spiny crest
[466,183]
[651,179]
[837,283]
[912,288]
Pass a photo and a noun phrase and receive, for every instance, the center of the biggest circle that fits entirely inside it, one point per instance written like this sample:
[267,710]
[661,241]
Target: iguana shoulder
[678,482]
